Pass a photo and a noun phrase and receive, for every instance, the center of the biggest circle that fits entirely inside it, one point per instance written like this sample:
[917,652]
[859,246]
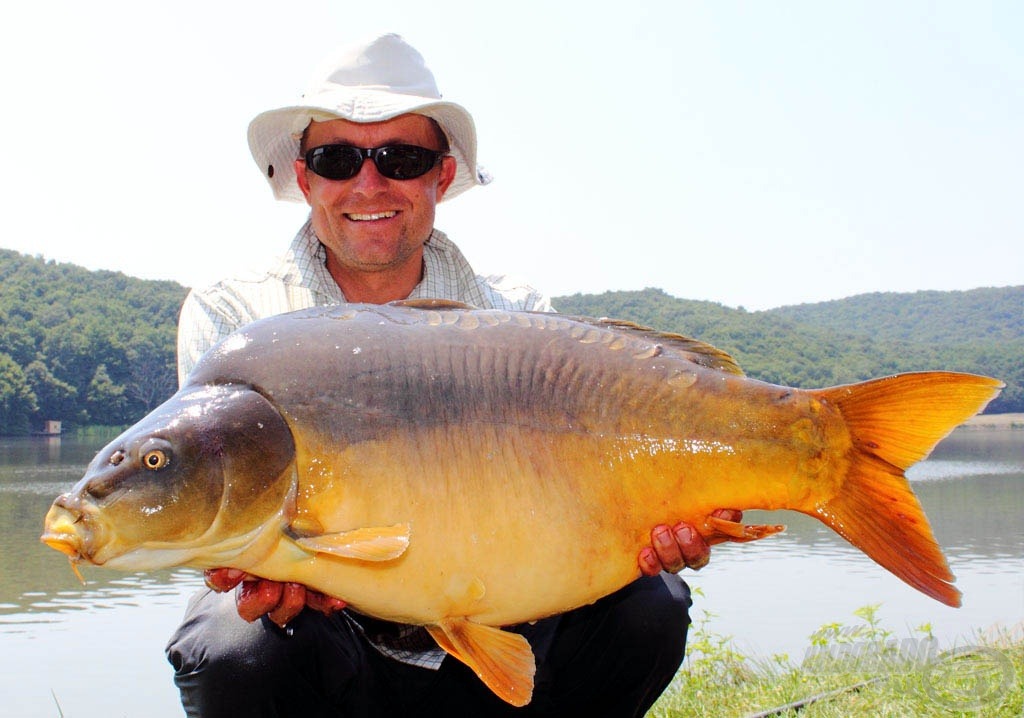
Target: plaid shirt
[300,280]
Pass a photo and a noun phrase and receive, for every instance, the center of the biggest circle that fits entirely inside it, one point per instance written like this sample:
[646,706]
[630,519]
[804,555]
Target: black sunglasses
[397,162]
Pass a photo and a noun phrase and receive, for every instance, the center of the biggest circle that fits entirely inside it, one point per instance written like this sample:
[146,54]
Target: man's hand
[280,602]
[674,548]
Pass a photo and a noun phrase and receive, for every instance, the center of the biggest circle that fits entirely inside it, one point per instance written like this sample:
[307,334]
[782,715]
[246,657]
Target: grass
[850,670]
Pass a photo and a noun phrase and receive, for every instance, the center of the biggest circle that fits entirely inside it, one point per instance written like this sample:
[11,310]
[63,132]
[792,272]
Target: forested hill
[98,347]
[989,314]
[81,346]
[898,334]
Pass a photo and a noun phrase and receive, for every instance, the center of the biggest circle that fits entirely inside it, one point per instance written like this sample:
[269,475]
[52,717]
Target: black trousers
[610,659]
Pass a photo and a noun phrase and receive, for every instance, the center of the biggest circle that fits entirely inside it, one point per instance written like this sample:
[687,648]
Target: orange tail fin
[894,423]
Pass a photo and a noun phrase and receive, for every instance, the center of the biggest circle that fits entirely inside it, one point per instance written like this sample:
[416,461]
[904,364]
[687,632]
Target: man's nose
[369,178]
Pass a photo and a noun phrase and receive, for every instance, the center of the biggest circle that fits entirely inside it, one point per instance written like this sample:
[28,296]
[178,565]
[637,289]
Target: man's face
[370,223]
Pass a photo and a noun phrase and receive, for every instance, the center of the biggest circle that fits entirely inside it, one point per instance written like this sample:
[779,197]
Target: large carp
[422,461]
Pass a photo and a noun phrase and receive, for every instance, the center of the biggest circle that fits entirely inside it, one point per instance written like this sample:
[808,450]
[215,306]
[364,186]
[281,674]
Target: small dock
[50,428]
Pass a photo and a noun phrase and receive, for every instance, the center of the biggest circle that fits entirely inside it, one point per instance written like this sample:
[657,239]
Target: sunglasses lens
[403,162]
[335,162]
[398,162]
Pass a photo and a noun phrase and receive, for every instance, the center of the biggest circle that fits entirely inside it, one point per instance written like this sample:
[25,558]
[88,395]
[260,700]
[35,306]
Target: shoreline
[995,421]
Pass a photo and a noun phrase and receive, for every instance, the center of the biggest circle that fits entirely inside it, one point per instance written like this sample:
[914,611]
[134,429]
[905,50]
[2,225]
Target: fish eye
[155,459]
[155,454]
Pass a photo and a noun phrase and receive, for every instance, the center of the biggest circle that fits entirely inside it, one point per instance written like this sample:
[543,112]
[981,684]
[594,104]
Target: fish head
[192,483]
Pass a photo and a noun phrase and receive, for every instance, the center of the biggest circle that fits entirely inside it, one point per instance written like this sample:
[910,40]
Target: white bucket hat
[373,82]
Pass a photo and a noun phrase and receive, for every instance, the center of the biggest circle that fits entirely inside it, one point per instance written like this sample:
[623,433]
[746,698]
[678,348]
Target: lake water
[97,650]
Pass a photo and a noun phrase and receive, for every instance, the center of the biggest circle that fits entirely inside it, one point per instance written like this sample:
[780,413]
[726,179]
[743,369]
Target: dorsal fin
[698,352]
[702,353]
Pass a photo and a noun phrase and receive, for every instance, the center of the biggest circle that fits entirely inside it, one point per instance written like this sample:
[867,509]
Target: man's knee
[655,612]
[213,641]
[674,609]
[222,663]
[616,656]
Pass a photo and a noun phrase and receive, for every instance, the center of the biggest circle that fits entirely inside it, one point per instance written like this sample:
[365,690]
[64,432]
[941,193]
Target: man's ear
[447,176]
[301,179]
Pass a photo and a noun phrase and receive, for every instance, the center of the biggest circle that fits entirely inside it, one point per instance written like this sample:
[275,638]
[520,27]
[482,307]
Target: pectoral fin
[723,530]
[503,660]
[377,543]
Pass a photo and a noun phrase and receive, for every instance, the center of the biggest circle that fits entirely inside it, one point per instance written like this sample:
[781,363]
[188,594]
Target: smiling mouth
[370,217]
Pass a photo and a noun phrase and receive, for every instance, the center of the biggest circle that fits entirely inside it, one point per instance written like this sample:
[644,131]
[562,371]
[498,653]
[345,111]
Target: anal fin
[723,530]
[503,660]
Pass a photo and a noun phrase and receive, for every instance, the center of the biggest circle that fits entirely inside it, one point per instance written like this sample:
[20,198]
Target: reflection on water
[156,587]
[770,595]
[947,469]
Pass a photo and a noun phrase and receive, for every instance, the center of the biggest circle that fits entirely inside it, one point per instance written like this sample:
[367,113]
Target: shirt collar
[446,272]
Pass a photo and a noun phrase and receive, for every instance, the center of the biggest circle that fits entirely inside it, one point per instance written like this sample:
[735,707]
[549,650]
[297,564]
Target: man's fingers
[650,564]
[293,600]
[223,579]
[280,602]
[694,549]
[255,598]
[734,515]
[666,547]
[323,603]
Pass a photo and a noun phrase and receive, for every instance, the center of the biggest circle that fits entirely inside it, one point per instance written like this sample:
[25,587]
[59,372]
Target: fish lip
[67,544]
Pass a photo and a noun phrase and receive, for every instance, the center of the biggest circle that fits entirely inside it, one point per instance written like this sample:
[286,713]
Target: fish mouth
[66,529]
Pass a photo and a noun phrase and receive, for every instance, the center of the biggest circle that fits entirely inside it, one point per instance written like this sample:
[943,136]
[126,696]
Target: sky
[748,153]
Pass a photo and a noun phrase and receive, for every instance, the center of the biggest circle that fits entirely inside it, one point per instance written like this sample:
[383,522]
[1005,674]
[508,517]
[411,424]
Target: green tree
[15,339]
[17,402]
[55,398]
[104,400]
[152,369]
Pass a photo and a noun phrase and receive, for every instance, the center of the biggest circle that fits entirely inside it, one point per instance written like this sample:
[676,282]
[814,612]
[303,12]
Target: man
[372,149]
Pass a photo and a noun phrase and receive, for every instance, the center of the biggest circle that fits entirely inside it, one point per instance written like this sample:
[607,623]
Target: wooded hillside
[818,345]
[88,347]
[986,315]
[82,347]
